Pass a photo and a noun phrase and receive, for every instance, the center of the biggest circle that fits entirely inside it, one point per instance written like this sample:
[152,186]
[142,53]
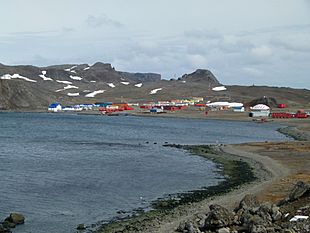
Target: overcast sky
[261,42]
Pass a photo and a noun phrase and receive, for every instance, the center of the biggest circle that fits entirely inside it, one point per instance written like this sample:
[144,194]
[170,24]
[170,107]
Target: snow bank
[138,85]
[152,92]
[44,77]
[94,93]
[220,88]
[111,85]
[75,77]
[125,83]
[73,94]
[67,87]
[69,69]
[16,76]
[65,82]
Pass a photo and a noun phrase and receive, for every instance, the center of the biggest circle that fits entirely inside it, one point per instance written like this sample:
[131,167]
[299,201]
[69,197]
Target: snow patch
[152,92]
[111,85]
[94,93]
[73,94]
[75,77]
[70,87]
[87,68]
[44,77]
[67,87]
[220,88]
[69,69]
[92,81]
[6,77]
[65,82]
[16,76]
[138,85]
[125,83]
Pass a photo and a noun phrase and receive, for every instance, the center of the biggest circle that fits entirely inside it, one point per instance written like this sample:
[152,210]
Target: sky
[246,42]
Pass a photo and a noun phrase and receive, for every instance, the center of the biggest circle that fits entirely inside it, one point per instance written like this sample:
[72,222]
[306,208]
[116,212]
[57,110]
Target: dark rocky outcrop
[142,77]
[201,75]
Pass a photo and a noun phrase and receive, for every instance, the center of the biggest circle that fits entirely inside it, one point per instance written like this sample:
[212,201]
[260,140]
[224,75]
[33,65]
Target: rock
[7,224]
[4,229]
[81,227]
[249,201]
[276,214]
[223,230]
[218,217]
[188,227]
[257,229]
[264,212]
[15,218]
[298,191]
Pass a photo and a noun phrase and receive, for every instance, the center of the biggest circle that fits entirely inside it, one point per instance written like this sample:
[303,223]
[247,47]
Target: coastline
[266,172]
[237,171]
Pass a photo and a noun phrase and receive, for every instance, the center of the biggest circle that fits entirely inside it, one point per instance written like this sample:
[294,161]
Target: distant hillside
[34,88]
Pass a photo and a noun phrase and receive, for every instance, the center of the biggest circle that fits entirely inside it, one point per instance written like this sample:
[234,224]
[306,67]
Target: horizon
[234,40]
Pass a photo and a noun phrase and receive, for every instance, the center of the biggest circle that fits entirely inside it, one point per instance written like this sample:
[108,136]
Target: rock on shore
[288,216]
[11,222]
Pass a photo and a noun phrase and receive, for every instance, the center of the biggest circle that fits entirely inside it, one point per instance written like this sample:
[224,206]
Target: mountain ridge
[29,87]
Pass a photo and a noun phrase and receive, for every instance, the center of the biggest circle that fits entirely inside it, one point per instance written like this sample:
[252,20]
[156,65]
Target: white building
[54,107]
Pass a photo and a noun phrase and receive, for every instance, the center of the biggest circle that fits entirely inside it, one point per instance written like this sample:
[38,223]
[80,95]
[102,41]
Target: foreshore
[266,173]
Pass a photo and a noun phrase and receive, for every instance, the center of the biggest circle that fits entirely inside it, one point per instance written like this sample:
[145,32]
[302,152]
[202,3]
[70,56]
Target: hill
[34,88]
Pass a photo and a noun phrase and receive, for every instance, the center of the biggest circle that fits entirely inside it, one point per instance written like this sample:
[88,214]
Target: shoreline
[265,169]
[237,171]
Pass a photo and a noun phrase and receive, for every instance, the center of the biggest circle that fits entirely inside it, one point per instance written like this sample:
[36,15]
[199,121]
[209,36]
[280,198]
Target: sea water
[61,170]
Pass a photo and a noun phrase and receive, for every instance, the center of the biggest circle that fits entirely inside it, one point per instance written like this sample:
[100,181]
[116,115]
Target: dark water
[62,170]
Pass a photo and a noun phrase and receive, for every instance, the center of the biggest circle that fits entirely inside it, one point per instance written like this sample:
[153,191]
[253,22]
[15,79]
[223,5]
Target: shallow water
[62,170]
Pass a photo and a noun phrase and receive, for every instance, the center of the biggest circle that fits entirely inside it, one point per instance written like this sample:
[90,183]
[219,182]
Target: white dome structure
[261,107]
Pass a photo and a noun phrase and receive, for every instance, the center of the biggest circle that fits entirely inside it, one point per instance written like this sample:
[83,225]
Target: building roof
[54,105]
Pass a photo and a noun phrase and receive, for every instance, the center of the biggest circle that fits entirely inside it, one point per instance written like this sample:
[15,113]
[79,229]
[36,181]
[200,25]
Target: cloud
[197,61]
[102,20]
[262,51]
[298,42]
[252,71]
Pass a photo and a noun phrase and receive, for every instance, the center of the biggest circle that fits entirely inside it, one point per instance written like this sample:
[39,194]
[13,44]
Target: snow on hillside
[73,94]
[152,92]
[44,77]
[16,76]
[94,93]
[75,77]
[64,82]
[111,85]
[67,87]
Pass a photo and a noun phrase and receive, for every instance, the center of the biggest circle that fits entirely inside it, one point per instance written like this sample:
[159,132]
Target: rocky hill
[33,88]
